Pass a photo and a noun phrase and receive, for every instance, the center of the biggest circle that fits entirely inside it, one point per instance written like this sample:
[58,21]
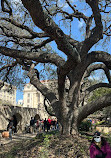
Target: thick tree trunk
[67,128]
[75,125]
[70,125]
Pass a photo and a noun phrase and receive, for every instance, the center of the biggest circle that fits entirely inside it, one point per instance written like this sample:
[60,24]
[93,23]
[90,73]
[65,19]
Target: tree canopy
[27,29]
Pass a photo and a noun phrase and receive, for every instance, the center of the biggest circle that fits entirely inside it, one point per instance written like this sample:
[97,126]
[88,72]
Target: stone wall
[22,114]
[103,129]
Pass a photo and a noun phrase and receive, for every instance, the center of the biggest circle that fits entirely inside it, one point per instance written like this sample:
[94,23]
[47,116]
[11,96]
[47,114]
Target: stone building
[8,94]
[32,98]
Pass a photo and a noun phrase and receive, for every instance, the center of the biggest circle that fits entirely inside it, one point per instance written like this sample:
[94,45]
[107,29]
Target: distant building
[20,102]
[31,96]
[8,94]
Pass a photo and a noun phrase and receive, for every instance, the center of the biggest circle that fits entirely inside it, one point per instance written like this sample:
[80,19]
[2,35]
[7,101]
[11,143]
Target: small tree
[31,25]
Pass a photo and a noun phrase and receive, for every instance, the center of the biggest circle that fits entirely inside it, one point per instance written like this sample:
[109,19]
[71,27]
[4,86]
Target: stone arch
[19,121]
[37,117]
[18,117]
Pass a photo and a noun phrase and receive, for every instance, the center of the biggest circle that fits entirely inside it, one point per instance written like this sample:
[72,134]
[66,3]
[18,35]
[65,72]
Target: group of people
[99,147]
[43,125]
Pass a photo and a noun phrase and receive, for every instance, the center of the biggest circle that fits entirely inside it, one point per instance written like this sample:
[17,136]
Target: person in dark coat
[45,124]
[32,122]
[10,124]
[15,124]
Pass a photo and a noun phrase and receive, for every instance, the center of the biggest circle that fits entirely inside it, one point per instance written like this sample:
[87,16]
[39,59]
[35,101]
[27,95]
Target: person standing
[99,147]
[45,124]
[15,123]
[32,125]
[10,127]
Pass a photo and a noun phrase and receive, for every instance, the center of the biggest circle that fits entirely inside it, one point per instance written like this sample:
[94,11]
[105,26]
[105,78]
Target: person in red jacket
[99,147]
[48,124]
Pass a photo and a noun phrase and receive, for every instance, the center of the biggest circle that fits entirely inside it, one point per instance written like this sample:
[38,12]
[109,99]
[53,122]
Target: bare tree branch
[43,43]
[98,85]
[9,10]
[8,65]
[107,31]
[44,90]
[76,13]
[46,108]
[99,56]
[97,32]
[40,56]
[49,26]
[88,25]
[33,34]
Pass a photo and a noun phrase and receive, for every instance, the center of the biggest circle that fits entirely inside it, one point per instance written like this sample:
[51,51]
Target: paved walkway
[16,138]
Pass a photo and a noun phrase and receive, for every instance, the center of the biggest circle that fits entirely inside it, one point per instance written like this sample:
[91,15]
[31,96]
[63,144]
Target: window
[28,95]
[38,96]
[28,100]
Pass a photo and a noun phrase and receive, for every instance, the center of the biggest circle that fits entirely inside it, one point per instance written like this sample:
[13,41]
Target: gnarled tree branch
[97,32]
[96,67]
[29,30]
[9,10]
[94,106]
[98,85]
[46,108]
[40,56]
[99,56]
[48,25]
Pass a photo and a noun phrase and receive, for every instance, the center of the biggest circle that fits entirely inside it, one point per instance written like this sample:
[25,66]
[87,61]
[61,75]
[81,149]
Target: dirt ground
[44,146]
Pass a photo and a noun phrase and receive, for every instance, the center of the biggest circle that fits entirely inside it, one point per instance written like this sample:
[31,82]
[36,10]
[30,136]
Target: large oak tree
[29,25]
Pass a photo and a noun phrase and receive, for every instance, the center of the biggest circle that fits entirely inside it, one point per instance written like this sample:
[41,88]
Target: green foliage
[109,139]
[99,123]
[85,126]
[45,145]
[98,93]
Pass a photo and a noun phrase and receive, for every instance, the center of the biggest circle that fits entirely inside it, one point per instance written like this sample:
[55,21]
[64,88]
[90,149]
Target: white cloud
[66,5]
[62,3]
[80,23]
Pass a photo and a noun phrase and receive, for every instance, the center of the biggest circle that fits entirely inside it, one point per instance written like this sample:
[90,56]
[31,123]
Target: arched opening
[37,117]
[18,117]
[17,122]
